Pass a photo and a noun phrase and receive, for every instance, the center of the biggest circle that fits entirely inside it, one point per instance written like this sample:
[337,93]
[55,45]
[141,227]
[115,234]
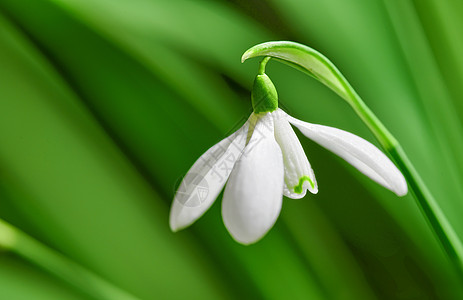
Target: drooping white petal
[299,176]
[253,195]
[358,152]
[205,179]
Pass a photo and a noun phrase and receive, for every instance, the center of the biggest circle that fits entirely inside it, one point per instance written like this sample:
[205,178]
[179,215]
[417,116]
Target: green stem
[386,139]
[428,205]
[262,65]
[425,200]
[16,241]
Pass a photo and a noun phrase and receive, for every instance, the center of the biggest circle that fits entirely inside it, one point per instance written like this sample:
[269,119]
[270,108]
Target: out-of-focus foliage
[105,104]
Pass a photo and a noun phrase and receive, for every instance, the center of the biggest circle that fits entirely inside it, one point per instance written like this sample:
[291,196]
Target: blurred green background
[105,104]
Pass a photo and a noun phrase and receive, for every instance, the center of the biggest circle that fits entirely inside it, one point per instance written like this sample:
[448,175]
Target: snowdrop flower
[263,161]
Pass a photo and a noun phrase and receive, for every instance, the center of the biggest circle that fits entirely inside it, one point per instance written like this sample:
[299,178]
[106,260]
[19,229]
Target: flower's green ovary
[298,188]
[264,95]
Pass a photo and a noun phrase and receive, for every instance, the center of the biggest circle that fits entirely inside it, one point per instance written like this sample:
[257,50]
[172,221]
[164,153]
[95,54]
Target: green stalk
[441,227]
[16,241]
[319,67]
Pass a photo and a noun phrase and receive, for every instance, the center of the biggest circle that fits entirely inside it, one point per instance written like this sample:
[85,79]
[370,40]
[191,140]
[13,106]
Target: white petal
[253,195]
[358,152]
[299,176]
[205,179]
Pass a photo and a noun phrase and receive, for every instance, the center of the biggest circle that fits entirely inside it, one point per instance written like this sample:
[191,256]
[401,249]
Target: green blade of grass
[433,92]
[15,275]
[20,243]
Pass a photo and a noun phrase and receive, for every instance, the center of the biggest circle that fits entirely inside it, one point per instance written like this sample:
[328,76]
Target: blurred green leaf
[15,275]
[106,209]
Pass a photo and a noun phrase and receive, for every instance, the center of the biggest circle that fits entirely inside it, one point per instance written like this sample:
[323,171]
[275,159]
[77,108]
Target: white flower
[263,161]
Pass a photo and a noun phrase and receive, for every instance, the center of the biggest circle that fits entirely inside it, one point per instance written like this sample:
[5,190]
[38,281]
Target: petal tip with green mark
[299,188]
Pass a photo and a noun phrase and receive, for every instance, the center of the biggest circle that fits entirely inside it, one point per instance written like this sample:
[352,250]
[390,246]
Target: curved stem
[16,241]
[262,65]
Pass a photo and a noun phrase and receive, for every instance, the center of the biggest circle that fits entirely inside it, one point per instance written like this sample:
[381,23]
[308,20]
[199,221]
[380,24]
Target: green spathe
[264,95]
